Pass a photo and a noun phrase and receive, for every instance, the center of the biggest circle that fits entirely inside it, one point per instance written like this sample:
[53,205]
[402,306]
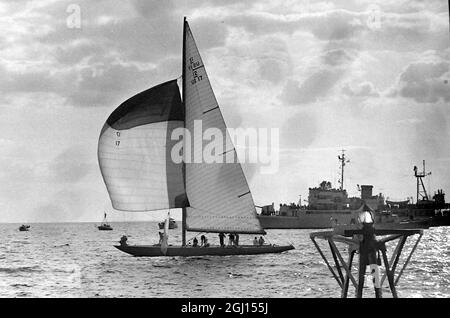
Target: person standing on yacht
[221,237]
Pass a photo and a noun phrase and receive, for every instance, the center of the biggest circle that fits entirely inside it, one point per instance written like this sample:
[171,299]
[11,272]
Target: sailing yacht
[172,224]
[105,226]
[134,153]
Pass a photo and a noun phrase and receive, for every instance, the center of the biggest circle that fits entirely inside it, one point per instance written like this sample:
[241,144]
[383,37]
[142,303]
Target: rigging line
[223,153]
[241,195]
[198,233]
[207,111]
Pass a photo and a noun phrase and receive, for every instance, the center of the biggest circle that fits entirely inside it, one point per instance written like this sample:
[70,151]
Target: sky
[370,77]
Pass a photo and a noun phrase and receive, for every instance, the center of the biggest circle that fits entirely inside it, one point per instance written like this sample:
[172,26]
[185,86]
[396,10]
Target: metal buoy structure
[362,239]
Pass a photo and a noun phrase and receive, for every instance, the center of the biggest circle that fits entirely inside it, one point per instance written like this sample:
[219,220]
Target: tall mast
[183,91]
[342,160]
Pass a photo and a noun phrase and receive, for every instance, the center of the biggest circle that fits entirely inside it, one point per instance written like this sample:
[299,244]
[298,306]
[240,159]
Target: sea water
[78,260]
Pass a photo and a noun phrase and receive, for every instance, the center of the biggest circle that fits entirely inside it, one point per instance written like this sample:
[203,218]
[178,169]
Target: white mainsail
[219,196]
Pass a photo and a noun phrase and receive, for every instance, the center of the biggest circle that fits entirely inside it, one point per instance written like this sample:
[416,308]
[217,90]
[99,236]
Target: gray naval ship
[328,207]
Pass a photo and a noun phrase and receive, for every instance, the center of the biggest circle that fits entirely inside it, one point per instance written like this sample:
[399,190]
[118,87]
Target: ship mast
[343,162]
[421,191]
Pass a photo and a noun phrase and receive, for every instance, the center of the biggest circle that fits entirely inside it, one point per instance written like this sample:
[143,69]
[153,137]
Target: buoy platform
[351,238]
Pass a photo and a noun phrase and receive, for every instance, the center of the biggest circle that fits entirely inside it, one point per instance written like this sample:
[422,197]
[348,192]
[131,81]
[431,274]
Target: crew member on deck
[255,241]
[195,242]
[221,237]
[123,240]
[230,239]
[261,241]
[202,240]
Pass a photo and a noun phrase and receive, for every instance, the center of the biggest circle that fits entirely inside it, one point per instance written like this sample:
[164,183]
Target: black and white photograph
[224,153]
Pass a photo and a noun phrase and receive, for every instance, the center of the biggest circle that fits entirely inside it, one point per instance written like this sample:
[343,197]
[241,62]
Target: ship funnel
[366,191]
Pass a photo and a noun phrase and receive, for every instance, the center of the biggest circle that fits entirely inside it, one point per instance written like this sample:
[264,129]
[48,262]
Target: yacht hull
[155,250]
[104,228]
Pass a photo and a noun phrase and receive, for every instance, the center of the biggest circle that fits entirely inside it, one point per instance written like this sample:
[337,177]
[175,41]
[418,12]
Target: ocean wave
[162,266]
[18,285]
[21,242]
[90,267]
[66,269]
[24,269]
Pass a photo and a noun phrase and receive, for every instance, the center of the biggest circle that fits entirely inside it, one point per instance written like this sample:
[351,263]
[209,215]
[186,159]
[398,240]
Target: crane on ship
[421,191]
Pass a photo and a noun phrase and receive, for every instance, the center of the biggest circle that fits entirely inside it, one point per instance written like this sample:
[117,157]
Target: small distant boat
[105,226]
[172,224]
[24,227]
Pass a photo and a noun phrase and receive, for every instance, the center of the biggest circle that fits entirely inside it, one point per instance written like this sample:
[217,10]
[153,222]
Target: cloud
[316,86]
[65,205]
[105,83]
[208,33]
[425,82]
[31,81]
[399,27]
[272,57]
[365,89]
[333,65]
[330,25]
[272,70]
[13,174]
[431,133]
[299,131]
[110,84]
[121,49]
[50,212]
[250,63]
[154,9]
[363,166]
[71,166]
[336,25]
[75,51]
[337,57]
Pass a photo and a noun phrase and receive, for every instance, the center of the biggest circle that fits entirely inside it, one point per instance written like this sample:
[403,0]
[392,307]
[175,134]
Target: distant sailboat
[172,224]
[134,153]
[105,226]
